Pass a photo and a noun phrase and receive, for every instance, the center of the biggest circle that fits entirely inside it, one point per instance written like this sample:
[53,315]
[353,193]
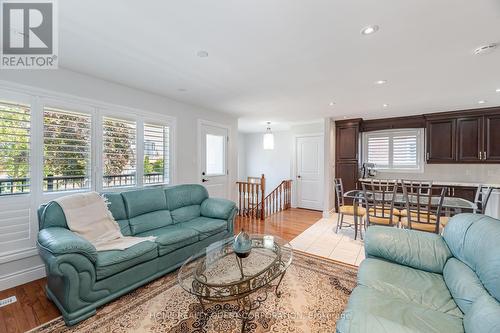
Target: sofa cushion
[370,310]
[463,283]
[172,237]
[150,221]
[408,284]
[206,226]
[186,213]
[144,201]
[484,316]
[111,262]
[185,195]
[117,208]
[116,205]
[473,239]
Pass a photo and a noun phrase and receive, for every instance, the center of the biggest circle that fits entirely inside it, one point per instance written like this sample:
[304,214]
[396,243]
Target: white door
[309,173]
[213,159]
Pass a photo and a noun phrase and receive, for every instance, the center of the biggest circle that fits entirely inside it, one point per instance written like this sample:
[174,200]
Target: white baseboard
[21,277]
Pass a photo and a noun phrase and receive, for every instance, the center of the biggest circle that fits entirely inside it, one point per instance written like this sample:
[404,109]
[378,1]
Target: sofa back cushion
[474,240]
[185,214]
[117,208]
[184,201]
[139,202]
[150,221]
[185,195]
[484,316]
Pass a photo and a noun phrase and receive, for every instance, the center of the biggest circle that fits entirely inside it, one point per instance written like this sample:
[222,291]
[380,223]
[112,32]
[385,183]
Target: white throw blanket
[88,216]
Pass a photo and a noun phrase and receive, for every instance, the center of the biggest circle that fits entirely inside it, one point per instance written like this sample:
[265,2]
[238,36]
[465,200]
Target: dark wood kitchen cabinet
[441,140]
[347,153]
[347,140]
[471,136]
[469,139]
[492,138]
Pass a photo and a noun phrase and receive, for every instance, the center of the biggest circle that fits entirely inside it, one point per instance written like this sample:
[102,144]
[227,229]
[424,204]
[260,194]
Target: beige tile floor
[320,239]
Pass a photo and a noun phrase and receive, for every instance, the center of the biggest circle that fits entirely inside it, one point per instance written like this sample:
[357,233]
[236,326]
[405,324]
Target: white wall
[21,267]
[277,164]
[274,164]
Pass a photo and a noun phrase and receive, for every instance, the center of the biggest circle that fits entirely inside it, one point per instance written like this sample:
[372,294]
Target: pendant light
[268,138]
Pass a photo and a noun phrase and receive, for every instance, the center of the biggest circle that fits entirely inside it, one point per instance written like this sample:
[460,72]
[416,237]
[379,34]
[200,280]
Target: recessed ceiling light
[481,101]
[331,103]
[182,89]
[385,105]
[484,49]
[379,82]
[345,117]
[498,90]
[371,29]
[202,54]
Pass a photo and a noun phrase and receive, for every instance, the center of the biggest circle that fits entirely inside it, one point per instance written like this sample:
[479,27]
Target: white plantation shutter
[67,153]
[404,151]
[156,154]
[119,152]
[15,144]
[394,149]
[378,150]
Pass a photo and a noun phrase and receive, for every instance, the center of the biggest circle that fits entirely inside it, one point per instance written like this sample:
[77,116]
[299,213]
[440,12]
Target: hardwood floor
[287,224]
[33,308]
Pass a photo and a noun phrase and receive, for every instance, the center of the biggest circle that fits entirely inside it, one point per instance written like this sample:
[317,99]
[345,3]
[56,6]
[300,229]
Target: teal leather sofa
[79,279]
[413,281]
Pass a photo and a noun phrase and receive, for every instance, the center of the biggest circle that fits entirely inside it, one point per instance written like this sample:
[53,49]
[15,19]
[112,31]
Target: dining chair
[483,194]
[423,185]
[344,209]
[379,196]
[482,197]
[423,206]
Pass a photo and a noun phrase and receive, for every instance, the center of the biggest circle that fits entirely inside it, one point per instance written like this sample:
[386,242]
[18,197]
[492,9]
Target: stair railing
[250,197]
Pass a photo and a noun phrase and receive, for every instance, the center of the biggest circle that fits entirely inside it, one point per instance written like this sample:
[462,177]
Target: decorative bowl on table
[242,244]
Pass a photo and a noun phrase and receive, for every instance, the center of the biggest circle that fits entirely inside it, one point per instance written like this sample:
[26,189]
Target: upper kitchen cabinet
[469,139]
[471,136]
[492,138]
[347,140]
[441,140]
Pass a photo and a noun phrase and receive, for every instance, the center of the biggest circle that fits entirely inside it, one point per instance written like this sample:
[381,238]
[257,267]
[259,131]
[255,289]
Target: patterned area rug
[314,293]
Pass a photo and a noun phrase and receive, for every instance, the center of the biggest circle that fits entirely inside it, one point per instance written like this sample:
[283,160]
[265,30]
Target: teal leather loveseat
[79,279]
[413,281]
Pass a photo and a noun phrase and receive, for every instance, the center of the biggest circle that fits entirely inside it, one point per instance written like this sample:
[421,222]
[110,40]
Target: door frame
[295,192]
[199,163]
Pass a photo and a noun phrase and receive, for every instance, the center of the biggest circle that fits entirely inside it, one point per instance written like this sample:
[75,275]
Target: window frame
[419,132]
[167,180]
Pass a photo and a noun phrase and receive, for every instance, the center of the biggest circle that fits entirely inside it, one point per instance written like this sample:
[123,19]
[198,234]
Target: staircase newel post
[263,196]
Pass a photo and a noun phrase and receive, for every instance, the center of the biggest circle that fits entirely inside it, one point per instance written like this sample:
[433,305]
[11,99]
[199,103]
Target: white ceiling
[285,60]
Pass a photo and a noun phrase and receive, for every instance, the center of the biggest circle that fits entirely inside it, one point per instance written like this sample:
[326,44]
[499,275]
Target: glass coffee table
[218,275]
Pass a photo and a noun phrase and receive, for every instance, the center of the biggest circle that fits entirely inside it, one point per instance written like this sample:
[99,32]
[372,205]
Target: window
[394,149]
[215,155]
[119,152]
[156,154]
[15,133]
[66,150]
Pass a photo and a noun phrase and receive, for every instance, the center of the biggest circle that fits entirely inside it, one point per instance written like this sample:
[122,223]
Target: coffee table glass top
[218,274]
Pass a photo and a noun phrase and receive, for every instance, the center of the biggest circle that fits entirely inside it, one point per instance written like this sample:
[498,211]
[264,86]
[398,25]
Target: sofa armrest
[59,241]
[217,208]
[421,250]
